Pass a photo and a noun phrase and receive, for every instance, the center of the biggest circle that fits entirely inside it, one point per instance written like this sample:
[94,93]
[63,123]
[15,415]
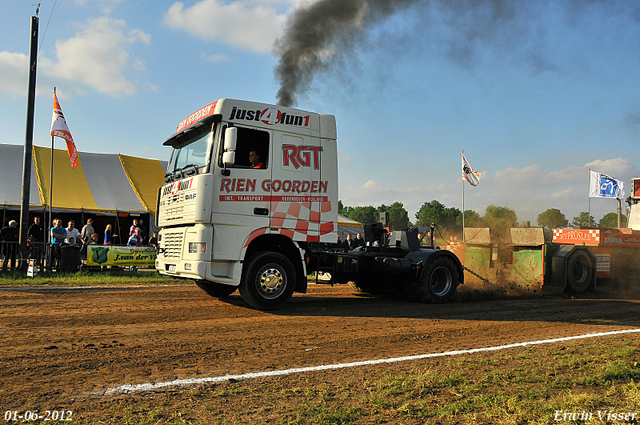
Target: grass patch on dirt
[88,278]
[531,385]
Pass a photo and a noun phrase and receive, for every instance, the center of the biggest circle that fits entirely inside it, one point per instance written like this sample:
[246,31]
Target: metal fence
[43,255]
[52,257]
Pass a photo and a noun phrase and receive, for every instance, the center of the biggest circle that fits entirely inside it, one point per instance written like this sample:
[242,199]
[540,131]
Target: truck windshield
[194,153]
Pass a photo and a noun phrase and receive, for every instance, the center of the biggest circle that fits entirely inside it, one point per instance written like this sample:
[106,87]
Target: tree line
[449,219]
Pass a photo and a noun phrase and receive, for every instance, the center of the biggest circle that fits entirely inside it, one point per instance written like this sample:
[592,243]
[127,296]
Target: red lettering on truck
[301,156]
[237,185]
[295,186]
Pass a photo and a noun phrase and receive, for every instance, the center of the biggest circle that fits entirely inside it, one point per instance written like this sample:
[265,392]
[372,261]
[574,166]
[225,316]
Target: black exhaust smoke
[317,32]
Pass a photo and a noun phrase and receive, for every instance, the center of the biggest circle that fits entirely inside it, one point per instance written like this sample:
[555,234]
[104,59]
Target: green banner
[109,255]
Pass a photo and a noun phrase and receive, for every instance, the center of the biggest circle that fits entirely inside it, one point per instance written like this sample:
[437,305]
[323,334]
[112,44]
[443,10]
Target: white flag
[604,186]
[473,177]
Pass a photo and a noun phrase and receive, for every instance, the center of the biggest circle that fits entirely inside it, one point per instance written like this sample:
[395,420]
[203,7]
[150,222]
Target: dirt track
[62,346]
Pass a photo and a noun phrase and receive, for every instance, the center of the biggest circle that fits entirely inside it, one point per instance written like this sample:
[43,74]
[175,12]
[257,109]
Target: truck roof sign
[197,116]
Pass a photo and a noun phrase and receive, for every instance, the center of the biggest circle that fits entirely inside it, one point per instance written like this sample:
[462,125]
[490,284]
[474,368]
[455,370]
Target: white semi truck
[250,202]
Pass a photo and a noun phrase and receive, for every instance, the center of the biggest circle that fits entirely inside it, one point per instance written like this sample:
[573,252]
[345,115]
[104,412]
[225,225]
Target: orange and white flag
[473,177]
[59,129]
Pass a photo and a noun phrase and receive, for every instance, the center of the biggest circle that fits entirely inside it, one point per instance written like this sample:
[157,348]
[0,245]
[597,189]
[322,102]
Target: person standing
[135,239]
[73,234]
[154,240]
[87,231]
[35,239]
[132,229]
[143,231]
[58,235]
[108,234]
[85,237]
[348,243]
[10,236]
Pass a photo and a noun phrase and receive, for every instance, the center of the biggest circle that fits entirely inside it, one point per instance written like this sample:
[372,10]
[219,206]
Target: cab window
[252,148]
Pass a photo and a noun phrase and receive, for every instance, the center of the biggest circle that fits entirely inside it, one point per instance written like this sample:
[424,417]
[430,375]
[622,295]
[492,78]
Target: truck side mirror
[229,155]
[230,138]
[229,158]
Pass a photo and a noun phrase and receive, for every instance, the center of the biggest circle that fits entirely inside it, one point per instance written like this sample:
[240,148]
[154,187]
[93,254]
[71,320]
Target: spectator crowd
[60,236]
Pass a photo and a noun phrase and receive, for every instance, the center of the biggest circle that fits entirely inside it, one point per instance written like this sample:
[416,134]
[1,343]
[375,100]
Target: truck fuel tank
[393,265]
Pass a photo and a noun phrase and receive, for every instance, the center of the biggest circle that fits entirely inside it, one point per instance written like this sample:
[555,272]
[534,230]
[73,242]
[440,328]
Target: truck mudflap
[571,266]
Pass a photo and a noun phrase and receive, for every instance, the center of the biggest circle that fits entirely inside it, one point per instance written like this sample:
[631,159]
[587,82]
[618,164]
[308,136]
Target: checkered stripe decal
[286,211]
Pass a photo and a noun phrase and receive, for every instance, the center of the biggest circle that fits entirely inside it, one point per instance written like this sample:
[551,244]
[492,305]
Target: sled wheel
[216,289]
[579,271]
[268,281]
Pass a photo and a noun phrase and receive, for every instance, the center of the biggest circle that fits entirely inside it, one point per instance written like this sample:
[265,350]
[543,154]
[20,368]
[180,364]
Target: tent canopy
[101,183]
[346,225]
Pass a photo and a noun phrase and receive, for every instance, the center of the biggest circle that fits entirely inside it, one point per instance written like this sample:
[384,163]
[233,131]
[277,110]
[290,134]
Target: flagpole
[462,181]
[589,197]
[49,265]
[51,186]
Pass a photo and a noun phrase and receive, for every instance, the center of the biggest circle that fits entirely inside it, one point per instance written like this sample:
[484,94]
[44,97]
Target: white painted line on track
[184,382]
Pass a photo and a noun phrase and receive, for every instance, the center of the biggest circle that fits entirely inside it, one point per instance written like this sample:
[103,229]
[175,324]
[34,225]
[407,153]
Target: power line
[48,22]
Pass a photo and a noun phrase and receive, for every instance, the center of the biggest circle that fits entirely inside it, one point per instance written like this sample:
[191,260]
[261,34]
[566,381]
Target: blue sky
[536,93]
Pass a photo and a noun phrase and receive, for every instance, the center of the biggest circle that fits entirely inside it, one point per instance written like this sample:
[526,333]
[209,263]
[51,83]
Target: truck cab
[223,215]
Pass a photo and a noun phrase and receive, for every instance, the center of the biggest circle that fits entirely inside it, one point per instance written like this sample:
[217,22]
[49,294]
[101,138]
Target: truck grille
[175,210]
[172,244]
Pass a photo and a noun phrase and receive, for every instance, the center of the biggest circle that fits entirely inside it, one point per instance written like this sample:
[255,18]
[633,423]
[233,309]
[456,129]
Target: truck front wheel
[268,281]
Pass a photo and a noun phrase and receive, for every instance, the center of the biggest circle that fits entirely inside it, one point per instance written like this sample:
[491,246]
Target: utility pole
[28,144]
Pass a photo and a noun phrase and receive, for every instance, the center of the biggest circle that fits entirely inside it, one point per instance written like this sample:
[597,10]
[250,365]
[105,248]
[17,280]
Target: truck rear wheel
[268,281]
[216,289]
[438,282]
[579,271]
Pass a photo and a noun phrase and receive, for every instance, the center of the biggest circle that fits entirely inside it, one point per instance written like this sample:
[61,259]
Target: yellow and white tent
[101,183]
[347,225]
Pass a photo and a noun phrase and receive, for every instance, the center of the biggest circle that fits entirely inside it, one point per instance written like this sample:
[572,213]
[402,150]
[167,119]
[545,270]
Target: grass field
[98,278]
[596,382]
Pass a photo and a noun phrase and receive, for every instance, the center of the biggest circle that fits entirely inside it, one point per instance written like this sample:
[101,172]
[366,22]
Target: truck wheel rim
[271,281]
[441,281]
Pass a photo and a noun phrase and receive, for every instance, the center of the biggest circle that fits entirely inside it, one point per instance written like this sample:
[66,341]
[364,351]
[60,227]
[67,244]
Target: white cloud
[615,167]
[105,5]
[97,57]
[346,158]
[13,74]
[214,58]
[239,24]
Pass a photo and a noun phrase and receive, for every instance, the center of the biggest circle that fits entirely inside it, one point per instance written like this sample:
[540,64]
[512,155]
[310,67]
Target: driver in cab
[255,160]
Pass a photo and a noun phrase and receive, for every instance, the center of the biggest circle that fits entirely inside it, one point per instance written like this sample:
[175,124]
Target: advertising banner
[108,255]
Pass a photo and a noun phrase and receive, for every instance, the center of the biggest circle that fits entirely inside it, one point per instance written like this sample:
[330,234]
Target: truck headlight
[197,247]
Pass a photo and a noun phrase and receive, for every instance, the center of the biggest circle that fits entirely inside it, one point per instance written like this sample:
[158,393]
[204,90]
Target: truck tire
[214,289]
[579,271]
[268,281]
[438,282]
